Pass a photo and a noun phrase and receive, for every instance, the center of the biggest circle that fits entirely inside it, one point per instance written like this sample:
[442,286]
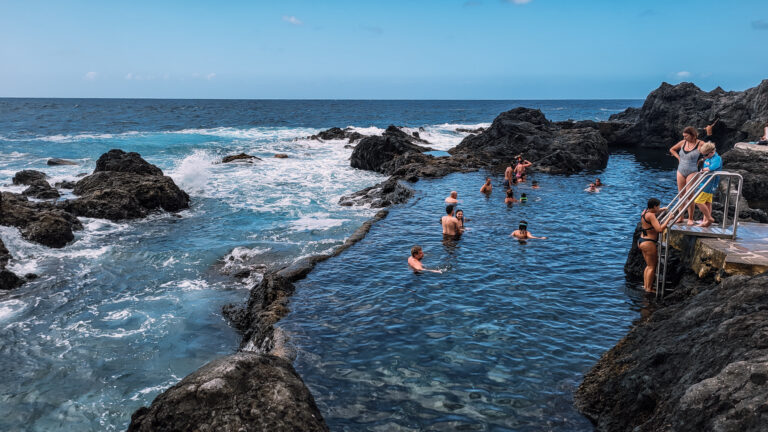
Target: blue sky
[418,49]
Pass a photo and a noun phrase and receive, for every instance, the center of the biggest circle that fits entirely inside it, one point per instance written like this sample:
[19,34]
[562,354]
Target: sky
[417,49]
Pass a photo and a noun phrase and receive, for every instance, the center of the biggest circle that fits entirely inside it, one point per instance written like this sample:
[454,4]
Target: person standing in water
[522,233]
[450,224]
[520,167]
[460,218]
[414,261]
[510,197]
[508,175]
[487,187]
[712,162]
[649,235]
[453,198]
[687,153]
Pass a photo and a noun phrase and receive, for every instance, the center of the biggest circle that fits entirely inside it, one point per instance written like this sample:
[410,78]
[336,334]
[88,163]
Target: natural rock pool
[501,339]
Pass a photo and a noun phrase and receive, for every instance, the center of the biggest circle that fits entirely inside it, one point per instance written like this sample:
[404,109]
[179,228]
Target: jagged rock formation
[8,279]
[384,194]
[40,222]
[753,166]
[373,152]
[57,161]
[241,392]
[239,157]
[699,363]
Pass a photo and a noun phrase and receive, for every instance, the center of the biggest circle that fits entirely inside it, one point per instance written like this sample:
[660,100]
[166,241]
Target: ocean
[499,341]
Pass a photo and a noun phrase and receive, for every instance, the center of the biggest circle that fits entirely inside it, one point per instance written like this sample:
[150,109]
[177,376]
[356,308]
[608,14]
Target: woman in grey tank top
[687,152]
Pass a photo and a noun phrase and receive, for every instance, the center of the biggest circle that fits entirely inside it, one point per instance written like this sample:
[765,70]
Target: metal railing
[677,207]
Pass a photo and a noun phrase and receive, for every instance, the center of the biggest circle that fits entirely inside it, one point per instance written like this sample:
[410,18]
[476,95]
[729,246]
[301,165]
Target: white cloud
[129,76]
[519,2]
[210,76]
[90,76]
[292,19]
[683,74]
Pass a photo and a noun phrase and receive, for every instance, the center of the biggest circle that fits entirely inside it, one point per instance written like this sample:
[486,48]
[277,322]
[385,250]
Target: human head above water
[523,226]
[415,251]
[459,213]
[510,193]
[449,209]
[653,203]
[454,194]
[691,132]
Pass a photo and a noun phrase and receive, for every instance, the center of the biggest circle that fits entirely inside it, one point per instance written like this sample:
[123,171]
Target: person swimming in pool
[510,197]
[649,234]
[449,222]
[535,184]
[460,218]
[487,187]
[452,198]
[522,233]
[414,261]
[598,183]
[592,188]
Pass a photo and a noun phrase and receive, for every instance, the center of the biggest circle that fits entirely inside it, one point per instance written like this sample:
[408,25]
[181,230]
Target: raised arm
[527,163]
[655,222]
[675,149]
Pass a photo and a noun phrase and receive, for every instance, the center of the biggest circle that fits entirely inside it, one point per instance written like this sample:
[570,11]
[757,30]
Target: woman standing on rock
[687,153]
[649,235]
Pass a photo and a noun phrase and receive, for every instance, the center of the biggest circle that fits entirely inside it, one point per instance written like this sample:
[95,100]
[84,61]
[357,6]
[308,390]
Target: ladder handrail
[679,204]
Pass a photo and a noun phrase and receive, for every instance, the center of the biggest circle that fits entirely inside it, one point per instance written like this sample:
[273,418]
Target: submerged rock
[239,157]
[698,364]
[472,131]
[241,392]
[549,147]
[9,280]
[281,156]
[57,161]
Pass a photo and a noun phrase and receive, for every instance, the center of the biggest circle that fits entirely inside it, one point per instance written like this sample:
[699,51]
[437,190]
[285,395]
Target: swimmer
[521,166]
[592,188]
[522,233]
[460,218]
[508,176]
[523,197]
[414,261]
[453,198]
[649,237]
[598,183]
[535,185]
[510,197]
[450,223]
[487,187]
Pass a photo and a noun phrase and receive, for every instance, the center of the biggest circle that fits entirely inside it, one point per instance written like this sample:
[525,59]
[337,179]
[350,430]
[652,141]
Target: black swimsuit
[645,231]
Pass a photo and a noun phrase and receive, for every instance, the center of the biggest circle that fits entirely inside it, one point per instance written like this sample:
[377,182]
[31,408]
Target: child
[712,162]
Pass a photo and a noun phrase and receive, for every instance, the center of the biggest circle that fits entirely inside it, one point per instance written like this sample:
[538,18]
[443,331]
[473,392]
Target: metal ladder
[678,206]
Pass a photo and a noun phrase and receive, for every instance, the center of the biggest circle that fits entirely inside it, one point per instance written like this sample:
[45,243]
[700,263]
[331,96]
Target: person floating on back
[487,187]
[414,261]
[649,234]
[712,162]
[451,226]
[510,197]
[522,233]
[453,198]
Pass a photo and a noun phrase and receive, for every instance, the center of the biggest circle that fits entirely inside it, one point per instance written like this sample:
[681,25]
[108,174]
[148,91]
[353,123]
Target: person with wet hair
[522,233]
[592,188]
[508,176]
[686,151]
[510,197]
[598,183]
[460,217]
[534,184]
[487,187]
[523,197]
[452,198]
[450,223]
[649,235]
[414,261]
[522,164]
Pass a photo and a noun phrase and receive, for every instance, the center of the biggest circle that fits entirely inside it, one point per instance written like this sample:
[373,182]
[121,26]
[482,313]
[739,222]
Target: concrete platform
[746,255]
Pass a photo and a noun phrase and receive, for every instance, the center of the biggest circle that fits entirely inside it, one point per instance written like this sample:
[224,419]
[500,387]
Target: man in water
[508,174]
[453,198]
[592,188]
[522,233]
[414,261]
[521,166]
[535,185]
[451,225]
[598,183]
[486,189]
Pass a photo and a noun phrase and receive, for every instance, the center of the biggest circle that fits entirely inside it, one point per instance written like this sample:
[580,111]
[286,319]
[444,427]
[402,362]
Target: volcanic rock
[670,108]
[5,255]
[396,132]
[336,133]
[40,222]
[372,153]
[550,147]
[28,177]
[700,363]
[240,392]
[239,157]
[753,167]
[384,194]
[472,131]
[57,161]
[41,189]
[66,184]
[9,280]
[117,160]
[281,156]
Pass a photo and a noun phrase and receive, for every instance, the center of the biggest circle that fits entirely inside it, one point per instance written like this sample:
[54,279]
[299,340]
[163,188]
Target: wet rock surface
[8,279]
[242,157]
[28,177]
[336,133]
[41,189]
[130,189]
[374,152]
[753,166]
[40,222]
[241,392]
[670,108]
[700,362]
[57,161]
[384,194]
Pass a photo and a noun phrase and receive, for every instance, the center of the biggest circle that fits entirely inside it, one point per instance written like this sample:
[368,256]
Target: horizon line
[317,99]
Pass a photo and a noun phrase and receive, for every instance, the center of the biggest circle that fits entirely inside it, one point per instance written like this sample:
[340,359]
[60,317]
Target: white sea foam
[316,221]
[9,308]
[192,172]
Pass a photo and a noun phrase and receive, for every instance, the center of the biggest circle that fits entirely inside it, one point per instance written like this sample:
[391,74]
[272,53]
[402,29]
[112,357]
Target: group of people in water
[693,155]
[453,222]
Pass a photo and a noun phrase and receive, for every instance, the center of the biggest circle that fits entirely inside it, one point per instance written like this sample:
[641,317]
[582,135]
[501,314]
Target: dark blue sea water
[128,309]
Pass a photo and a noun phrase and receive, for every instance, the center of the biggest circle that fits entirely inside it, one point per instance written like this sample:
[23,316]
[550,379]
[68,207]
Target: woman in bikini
[649,235]
[687,153]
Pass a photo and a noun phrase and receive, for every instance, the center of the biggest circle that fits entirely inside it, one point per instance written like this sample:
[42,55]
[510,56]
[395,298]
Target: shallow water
[501,339]
[130,308]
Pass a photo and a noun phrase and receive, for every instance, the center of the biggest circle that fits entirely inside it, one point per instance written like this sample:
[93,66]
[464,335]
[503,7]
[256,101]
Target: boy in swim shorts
[712,162]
